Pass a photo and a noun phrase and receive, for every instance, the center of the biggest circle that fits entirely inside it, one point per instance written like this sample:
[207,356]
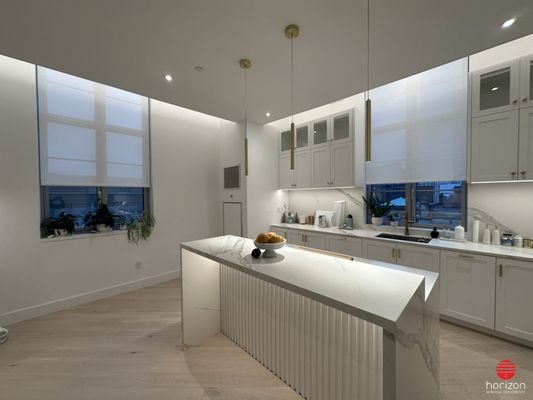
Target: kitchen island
[329,327]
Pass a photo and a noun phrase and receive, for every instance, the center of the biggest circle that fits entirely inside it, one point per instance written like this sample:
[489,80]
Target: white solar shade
[91,134]
[419,127]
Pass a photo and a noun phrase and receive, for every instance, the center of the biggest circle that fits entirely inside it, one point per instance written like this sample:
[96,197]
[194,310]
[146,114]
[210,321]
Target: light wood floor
[125,347]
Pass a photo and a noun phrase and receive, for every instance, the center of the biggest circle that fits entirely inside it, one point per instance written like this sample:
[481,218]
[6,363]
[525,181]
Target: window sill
[83,236]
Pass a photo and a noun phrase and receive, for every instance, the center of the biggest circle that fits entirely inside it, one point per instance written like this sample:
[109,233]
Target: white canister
[486,235]
[459,232]
[496,236]
[518,241]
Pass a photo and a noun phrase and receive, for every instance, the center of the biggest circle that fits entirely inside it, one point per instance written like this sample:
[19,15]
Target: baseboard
[69,302]
[487,331]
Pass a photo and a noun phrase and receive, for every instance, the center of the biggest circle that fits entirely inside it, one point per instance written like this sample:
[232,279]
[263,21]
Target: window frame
[410,204]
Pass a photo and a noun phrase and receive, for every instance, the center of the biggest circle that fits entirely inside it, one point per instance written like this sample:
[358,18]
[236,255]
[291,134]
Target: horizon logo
[505,370]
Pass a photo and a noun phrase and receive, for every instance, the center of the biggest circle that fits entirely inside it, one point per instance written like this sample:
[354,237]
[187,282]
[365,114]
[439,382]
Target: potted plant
[140,228]
[393,219]
[122,222]
[377,208]
[102,220]
[62,224]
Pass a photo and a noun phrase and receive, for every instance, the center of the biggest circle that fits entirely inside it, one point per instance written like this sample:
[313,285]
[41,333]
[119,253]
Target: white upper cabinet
[526,81]
[494,150]
[320,132]
[286,175]
[514,297]
[321,164]
[324,153]
[525,145]
[496,89]
[502,127]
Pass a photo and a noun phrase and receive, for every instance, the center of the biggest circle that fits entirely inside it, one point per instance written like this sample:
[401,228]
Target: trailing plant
[62,221]
[377,207]
[101,216]
[140,228]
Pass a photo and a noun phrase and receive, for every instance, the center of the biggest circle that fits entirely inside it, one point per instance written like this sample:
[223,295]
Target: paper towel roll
[475,231]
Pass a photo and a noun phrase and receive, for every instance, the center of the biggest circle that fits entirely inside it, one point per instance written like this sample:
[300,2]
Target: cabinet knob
[523,172]
[515,101]
[513,173]
[524,99]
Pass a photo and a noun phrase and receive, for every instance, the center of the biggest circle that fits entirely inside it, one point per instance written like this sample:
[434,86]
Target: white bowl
[270,248]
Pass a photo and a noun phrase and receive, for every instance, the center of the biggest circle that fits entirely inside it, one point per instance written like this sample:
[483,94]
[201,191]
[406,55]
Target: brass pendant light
[291,32]
[245,65]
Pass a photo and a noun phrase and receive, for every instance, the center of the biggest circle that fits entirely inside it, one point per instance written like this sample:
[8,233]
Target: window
[431,203]
[94,148]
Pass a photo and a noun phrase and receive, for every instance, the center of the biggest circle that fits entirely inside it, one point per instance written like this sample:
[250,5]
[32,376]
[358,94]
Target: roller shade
[419,127]
[91,134]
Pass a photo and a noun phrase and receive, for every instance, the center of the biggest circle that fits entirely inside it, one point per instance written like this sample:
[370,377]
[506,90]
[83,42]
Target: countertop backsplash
[507,205]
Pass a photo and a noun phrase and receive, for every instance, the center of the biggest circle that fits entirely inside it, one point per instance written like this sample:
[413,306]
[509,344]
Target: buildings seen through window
[432,203]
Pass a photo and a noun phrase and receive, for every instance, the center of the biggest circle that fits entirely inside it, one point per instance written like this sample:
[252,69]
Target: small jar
[518,241]
[507,240]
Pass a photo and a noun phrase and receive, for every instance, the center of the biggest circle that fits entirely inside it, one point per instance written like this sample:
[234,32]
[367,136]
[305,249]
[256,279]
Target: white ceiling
[131,44]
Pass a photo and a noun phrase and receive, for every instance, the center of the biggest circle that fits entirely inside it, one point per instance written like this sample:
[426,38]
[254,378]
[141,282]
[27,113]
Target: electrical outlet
[138,265]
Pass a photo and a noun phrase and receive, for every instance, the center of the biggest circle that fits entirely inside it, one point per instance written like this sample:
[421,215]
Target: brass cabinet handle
[501,270]
[524,99]
[515,101]
[399,254]
[523,172]
[513,173]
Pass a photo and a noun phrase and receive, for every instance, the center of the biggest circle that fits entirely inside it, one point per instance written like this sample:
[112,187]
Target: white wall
[38,276]
[499,54]
[264,201]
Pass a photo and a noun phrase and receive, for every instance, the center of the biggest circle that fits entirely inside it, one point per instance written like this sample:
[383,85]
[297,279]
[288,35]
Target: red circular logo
[505,370]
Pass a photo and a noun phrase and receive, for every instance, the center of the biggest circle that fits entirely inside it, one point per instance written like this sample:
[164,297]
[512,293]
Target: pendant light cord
[368,49]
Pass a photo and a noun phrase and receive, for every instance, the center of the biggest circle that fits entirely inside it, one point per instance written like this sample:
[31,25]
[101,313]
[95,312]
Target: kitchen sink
[416,239]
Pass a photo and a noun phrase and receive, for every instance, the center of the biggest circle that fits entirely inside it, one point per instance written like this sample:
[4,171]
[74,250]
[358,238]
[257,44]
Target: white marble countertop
[478,248]
[374,291]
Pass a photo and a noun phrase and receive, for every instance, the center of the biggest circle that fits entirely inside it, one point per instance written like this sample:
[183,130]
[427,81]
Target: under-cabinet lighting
[267,114]
[494,88]
[168,78]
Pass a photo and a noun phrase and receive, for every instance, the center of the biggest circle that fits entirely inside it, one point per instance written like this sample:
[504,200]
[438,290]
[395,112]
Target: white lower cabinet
[344,245]
[307,239]
[514,298]
[467,287]
[281,232]
[418,257]
[379,250]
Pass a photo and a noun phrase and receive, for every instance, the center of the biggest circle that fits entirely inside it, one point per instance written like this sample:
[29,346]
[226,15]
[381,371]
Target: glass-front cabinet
[320,132]
[301,140]
[496,89]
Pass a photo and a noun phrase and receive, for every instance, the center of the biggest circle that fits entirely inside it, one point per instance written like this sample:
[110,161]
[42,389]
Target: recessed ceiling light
[199,68]
[168,78]
[267,114]
[508,23]
[494,88]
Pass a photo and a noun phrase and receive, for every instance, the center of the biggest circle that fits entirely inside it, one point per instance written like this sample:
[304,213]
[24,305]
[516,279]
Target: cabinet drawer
[344,245]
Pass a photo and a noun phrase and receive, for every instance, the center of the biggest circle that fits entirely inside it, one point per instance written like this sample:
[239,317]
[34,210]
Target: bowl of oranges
[270,242]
